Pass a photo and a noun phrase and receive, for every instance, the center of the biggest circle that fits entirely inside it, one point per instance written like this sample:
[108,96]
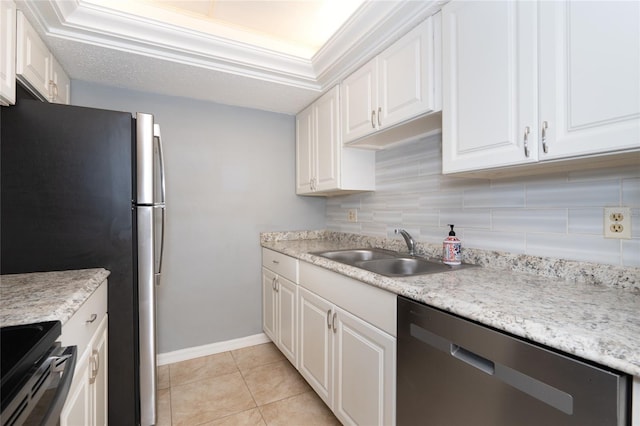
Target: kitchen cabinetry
[347,345]
[279,301]
[400,84]
[323,165]
[7,52]
[37,68]
[550,81]
[87,400]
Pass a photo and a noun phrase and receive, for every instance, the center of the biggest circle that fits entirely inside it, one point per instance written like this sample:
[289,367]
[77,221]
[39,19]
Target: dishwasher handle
[473,359]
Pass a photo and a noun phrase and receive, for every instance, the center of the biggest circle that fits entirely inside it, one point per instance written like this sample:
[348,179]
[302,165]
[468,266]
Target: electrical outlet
[617,222]
[352,215]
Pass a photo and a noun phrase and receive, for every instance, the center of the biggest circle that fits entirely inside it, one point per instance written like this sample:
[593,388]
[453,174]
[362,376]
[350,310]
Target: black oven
[36,373]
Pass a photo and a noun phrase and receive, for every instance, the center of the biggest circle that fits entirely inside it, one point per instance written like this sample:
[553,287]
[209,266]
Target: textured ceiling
[247,53]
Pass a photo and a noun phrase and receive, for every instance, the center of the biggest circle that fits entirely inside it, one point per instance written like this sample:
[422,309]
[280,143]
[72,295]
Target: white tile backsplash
[557,215]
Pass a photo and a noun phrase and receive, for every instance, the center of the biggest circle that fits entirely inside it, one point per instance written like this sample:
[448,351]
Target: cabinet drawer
[82,326]
[281,264]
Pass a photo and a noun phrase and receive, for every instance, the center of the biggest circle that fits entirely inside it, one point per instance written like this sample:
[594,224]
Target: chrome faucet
[411,245]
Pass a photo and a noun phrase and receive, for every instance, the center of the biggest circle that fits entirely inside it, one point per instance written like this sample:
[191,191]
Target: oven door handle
[68,358]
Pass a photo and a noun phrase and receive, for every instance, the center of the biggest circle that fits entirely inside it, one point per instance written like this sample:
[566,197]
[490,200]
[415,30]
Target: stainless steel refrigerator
[84,188]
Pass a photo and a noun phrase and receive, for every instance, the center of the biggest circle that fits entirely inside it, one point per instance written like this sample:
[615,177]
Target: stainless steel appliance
[454,372]
[84,188]
[36,374]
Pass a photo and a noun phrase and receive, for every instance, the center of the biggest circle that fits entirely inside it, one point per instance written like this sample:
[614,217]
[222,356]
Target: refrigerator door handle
[162,232]
[158,141]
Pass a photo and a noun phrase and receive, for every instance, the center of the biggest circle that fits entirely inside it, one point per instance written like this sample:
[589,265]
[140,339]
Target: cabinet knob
[92,318]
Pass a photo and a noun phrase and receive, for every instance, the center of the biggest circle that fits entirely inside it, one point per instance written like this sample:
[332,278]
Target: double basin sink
[388,263]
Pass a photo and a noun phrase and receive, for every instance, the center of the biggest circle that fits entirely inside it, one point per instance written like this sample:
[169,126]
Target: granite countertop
[591,320]
[46,296]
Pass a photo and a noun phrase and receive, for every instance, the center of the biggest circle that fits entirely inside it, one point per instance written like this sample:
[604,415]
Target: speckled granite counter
[575,314]
[46,296]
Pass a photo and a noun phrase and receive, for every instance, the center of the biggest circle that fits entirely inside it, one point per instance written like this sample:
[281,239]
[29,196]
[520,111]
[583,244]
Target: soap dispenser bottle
[452,249]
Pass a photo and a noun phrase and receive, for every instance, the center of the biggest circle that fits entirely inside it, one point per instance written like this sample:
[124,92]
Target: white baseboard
[213,348]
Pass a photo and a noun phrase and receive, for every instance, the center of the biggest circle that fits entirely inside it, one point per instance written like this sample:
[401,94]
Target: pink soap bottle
[452,249]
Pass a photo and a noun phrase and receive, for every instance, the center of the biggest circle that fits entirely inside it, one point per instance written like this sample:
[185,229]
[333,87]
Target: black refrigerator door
[66,180]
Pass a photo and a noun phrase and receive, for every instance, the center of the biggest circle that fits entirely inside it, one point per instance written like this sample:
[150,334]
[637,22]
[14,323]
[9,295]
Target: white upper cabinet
[589,77]
[400,84]
[323,165]
[36,67]
[551,80]
[489,84]
[7,52]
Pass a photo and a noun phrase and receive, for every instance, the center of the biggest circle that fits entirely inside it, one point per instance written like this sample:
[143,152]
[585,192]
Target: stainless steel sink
[388,263]
[357,255]
[404,266]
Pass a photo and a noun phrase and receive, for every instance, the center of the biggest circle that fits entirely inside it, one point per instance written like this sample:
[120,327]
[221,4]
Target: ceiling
[271,55]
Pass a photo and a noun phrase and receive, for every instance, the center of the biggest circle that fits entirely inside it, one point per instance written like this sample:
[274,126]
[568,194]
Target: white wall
[557,215]
[230,176]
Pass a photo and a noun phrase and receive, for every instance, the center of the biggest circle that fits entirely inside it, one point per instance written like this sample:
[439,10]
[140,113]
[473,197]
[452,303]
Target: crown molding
[95,25]
[373,27]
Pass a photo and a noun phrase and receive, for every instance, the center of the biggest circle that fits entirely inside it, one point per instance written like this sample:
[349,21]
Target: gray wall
[230,176]
[556,215]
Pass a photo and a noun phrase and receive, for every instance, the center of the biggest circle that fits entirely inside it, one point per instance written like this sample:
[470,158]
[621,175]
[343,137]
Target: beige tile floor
[249,386]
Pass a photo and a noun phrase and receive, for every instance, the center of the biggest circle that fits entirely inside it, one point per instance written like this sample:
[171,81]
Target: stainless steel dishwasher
[454,372]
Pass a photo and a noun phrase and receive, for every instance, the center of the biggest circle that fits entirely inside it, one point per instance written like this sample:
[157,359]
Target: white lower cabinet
[279,312]
[279,302]
[88,329]
[348,362]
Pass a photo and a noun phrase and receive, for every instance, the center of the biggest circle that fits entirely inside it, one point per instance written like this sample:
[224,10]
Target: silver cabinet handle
[277,284]
[273,284]
[95,358]
[329,319]
[275,261]
[379,114]
[527,130]
[92,318]
[373,114]
[333,322]
[53,90]
[545,147]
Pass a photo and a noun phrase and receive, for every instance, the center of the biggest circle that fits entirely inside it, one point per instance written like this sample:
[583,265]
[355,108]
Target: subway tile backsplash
[559,215]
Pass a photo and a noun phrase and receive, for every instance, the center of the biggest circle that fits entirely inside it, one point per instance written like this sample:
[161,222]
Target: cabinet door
[359,103]
[269,302]
[304,151]
[589,77]
[77,408]
[489,84]
[33,60]
[287,315]
[327,140]
[99,376]
[61,90]
[315,357]
[365,369]
[7,52]
[407,75]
